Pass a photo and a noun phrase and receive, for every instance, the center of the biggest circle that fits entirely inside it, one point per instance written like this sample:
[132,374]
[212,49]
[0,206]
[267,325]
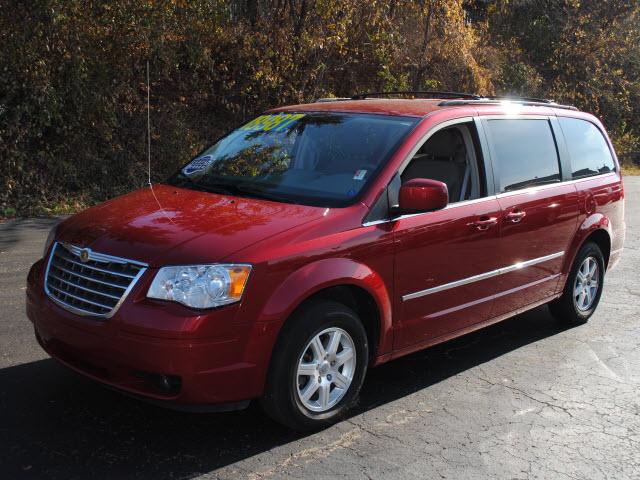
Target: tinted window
[588,150]
[449,156]
[323,159]
[525,153]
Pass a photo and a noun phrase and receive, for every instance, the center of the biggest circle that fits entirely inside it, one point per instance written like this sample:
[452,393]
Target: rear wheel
[318,366]
[583,288]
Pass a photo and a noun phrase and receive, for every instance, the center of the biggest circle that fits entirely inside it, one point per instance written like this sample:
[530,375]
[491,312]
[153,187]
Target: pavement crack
[529,396]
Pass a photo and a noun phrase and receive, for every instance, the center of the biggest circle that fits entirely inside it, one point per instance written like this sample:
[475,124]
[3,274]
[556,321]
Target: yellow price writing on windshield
[276,122]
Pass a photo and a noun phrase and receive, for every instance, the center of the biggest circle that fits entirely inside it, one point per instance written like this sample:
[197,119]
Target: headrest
[446,143]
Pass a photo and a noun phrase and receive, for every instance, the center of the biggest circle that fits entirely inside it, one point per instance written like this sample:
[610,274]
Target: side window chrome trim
[481,276]
[531,189]
[377,222]
[535,188]
[448,207]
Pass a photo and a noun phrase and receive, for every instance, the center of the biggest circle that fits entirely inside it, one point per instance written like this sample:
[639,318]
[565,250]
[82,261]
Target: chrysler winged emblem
[84,254]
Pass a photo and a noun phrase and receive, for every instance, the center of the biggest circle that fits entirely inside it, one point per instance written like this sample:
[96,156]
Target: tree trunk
[301,18]
[422,61]
[252,12]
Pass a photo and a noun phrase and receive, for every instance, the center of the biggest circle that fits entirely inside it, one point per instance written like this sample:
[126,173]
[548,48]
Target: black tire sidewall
[587,250]
[305,325]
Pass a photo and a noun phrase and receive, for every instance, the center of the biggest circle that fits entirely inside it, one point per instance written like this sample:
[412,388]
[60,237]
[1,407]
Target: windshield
[324,159]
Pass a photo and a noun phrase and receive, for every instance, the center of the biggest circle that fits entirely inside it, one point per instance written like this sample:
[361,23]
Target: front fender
[329,272]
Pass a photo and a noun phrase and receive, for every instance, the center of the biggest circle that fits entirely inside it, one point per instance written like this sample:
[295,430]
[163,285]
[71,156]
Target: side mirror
[423,195]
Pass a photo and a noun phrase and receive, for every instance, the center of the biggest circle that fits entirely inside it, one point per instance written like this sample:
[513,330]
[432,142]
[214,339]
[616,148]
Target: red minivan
[319,240]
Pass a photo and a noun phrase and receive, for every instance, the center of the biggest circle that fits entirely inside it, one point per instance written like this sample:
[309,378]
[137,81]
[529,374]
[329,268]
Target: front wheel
[318,366]
[583,288]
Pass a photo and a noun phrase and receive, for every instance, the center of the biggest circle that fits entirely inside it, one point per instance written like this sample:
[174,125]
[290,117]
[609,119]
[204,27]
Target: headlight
[200,286]
[50,238]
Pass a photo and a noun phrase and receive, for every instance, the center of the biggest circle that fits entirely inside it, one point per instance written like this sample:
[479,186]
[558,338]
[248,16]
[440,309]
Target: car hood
[169,225]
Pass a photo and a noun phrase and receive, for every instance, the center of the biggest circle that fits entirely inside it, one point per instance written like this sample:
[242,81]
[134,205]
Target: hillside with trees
[73,74]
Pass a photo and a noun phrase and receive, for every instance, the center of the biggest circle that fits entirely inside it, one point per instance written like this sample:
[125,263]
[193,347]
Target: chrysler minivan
[319,240]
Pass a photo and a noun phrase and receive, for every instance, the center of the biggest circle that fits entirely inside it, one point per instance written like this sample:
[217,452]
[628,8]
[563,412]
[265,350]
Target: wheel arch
[357,299]
[601,238]
[595,228]
[340,279]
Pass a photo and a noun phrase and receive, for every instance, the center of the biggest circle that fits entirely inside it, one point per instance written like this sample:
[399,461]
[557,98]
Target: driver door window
[449,156]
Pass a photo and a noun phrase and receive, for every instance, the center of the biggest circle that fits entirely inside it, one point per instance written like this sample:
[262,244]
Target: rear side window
[524,153]
[587,147]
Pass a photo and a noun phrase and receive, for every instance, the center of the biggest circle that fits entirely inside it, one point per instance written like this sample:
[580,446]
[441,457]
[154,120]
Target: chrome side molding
[481,276]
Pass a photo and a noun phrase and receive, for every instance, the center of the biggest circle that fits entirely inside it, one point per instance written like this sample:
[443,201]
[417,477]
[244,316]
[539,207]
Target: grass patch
[43,210]
[8,212]
[630,169]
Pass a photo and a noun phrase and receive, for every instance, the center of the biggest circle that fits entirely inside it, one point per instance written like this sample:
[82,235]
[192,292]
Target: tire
[573,309]
[286,393]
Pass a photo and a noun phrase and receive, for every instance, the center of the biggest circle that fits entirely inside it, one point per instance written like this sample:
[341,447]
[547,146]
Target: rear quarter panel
[601,202]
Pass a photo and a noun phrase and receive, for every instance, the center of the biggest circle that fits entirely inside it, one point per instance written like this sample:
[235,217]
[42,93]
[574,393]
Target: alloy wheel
[325,369]
[586,285]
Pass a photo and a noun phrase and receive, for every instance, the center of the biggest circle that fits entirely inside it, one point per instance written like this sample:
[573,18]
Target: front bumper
[157,350]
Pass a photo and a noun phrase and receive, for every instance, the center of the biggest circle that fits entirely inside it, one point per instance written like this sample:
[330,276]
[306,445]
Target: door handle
[484,222]
[515,216]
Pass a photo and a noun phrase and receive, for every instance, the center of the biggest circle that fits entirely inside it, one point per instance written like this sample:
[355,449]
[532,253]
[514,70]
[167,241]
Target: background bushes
[73,74]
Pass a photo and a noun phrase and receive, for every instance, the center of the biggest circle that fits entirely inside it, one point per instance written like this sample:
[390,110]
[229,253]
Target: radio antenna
[149,145]
[148,126]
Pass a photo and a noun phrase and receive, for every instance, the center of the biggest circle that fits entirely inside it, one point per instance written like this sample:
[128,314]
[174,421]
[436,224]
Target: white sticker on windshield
[360,174]
[198,164]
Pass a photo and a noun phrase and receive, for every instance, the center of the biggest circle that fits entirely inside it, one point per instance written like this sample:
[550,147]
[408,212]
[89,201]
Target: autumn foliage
[73,74]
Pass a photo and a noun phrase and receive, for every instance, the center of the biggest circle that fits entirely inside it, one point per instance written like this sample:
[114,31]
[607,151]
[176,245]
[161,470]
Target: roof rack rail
[331,99]
[518,98]
[427,93]
[498,101]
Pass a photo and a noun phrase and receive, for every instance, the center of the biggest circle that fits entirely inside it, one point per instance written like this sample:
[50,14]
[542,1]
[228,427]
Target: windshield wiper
[260,193]
[225,188]
[185,180]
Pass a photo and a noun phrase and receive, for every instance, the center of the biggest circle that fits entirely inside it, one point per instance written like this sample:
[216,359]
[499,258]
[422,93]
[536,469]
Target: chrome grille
[89,283]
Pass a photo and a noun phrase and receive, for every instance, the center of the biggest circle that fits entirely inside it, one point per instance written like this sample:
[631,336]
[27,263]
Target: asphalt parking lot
[522,399]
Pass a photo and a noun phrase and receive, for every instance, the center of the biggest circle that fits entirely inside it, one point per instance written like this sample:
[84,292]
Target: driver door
[445,260]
